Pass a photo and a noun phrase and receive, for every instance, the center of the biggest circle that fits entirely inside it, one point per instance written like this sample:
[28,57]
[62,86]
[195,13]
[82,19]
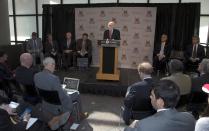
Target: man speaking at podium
[111,33]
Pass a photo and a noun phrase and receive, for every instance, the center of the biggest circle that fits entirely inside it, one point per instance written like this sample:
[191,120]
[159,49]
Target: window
[25,26]
[25,6]
[204,27]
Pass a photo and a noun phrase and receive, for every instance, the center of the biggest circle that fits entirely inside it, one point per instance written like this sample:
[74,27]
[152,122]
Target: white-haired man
[111,33]
[46,80]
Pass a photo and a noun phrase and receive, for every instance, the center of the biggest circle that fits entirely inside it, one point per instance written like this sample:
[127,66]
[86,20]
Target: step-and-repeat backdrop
[136,25]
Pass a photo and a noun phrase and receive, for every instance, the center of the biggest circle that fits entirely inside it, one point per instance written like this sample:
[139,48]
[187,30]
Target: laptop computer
[71,84]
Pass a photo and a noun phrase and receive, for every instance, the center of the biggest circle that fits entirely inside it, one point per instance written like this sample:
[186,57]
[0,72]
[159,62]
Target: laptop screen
[71,83]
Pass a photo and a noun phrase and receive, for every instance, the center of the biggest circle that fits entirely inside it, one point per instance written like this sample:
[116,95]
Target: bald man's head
[111,25]
[26,60]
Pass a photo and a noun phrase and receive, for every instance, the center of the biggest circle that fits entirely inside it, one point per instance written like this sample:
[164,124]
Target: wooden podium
[108,65]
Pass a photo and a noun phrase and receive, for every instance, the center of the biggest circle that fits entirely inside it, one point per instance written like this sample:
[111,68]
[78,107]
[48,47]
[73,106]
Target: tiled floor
[104,113]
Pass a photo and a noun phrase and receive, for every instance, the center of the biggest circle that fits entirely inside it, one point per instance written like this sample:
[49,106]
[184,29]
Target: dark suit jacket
[71,47]
[115,34]
[138,98]
[24,75]
[49,47]
[168,120]
[88,46]
[5,72]
[167,50]
[198,82]
[200,52]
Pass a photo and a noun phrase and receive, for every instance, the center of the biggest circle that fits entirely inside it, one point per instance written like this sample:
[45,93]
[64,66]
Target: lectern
[108,65]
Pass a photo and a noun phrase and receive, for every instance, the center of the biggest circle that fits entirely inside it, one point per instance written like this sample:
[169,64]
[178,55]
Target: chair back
[51,97]
[198,97]
[28,90]
[177,55]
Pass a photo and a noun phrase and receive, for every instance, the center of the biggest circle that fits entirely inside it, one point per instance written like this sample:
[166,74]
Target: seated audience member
[24,73]
[24,76]
[6,75]
[83,49]
[46,80]
[8,123]
[68,48]
[183,81]
[35,47]
[198,82]
[198,99]
[161,54]
[164,97]
[202,123]
[194,54]
[51,48]
[137,96]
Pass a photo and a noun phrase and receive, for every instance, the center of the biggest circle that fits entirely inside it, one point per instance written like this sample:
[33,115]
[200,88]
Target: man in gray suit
[35,47]
[164,97]
[46,80]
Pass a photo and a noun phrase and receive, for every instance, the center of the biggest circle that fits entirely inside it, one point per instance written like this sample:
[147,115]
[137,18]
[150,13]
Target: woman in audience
[203,123]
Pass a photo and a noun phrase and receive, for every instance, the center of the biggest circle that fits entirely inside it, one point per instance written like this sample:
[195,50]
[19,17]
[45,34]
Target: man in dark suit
[24,73]
[68,48]
[35,47]
[161,54]
[83,49]
[137,97]
[111,33]
[194,54]
[164,97]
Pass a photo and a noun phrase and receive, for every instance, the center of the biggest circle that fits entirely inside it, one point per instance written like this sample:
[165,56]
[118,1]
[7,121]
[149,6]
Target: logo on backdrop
[124,43]
[125,28]
[81,28]
[114,20]
[146,59]
[136,36]
[134,64]
[102,28]
[136,21]
[136,50]
[147,44]
[149,13]
[149,28]
[102,13]
[91,21]
[80,13]
[124,57]
[125,13]
[91,35]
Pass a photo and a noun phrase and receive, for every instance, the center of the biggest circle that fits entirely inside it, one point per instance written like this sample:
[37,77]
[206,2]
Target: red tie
[110,34]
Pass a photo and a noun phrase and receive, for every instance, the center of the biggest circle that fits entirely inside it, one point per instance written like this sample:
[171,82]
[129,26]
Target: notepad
[31,122]
[74,126]
[13,105]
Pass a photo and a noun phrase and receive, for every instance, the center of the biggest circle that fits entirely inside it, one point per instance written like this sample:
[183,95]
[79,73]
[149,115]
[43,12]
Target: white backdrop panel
[136,25]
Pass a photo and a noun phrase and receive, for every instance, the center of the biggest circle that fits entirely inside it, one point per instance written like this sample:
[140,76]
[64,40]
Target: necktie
[110,34]
[194,52]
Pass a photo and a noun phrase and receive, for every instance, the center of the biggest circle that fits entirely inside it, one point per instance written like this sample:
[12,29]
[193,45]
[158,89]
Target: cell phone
[27,111]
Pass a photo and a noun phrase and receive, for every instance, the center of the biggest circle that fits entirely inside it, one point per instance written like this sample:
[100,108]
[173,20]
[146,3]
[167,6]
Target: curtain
[179,21]
[58,20]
